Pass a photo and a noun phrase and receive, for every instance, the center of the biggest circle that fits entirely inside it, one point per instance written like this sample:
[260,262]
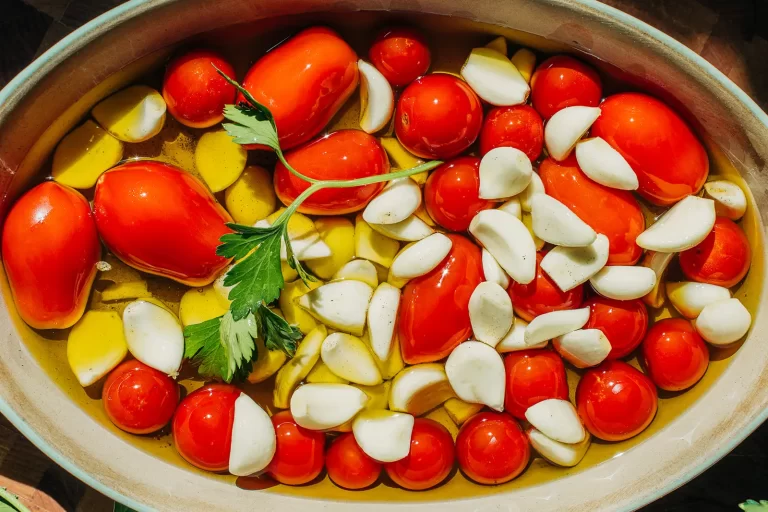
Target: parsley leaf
[277,333]
[250,126]
[222,347]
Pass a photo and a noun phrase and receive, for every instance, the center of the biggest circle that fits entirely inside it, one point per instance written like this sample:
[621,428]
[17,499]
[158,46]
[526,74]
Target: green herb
[754,506]
[119,507]
[9,502]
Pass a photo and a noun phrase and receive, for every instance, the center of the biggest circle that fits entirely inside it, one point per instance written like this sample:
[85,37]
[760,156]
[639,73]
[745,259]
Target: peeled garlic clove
[298,367]
[509,241]
[384,436]
[358,270]
[493,272]
[382,315]
[134,114]
[570,266]
[154,336]
[689,298]
[376,98]
[420,388]
[490,313]
[253,438]
[584,347]
[348,357]
[504,172]
[476,373]
[623,282]
[555,323]
[605,165]
[499,44]
[513,207]
[341,305]
[536,186]
[411,229]
[658,262]
[683,226]
[515,339]
[555,223]
[561,454]
[421,257]
[557,419]
[398,201]
[494,78]
[723,322]
[566,127]
[305,239]
[730,200]
[325,406]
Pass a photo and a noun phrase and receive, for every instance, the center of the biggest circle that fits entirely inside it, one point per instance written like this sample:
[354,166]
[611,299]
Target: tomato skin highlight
[492,448]
[348,465]
[50,249]
[434,314]
[674,354]
[542,295]
[722,258]
[451,193]
[624,323]
[341,155]
[430,460]
[300,453]
[670,162]
[562,81]
[518,126]
[401,54]
[532,376]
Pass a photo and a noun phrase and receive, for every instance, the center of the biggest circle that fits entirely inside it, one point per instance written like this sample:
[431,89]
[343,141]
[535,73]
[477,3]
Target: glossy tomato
[401,54]
[304,82]
[533,376]
[519,127]
[614,213]
[562,81]
[50,250]
[342,155]
[624,323]
[349,466]
[616,401]
[452,193]
[723,258]
[430,459]
[542,295]
[438,116]
[492,448]
[668,159]
[202,426]
[300,453]
[674,354]
[434,315]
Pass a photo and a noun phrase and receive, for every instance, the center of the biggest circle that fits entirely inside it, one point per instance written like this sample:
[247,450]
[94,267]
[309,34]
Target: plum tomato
[202,426]
[452,193]
[492,448]
[139,399]
[519,127]
[194,91]
[674,354]
[542,295]
[614,213]
[341,155]
[562,81]
[50,249]
[438,116]
[300,453]
[668,159]
[304,81]
[434,314]
[532,376]
[348,465]
[722,258]
[401,54]
[430,459]
[624,323]
[616,401]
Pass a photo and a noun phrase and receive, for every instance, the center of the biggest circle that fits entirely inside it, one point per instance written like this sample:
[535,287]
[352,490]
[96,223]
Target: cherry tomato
[400,54]
[624,323]
[614,213]
[50,250]
[300,453]
[430,460]
[139,399]
[451,194]
[668,159]
[616,401]
[342,155]
[723,258]
[533,376]
[542,295]
[304,82]
[492,448]
[518,127]
[434,315]
[349,466]
[202,426]
[562,81]
[161,220]
[194,91]
[674,354]
[438,116]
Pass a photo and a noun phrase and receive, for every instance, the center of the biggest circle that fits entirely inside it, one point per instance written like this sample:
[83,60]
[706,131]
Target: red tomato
[624,323]
[616,401]
[562,81]
[533,376]
[723,258]
[430,460]
[50,250]
[300,453]
[451,194]
[492,448]
[304,82]
[438,116]
[434,315]
[349,466]
[614,213]
[542,295]
[194,91]
[342,155]
[161,220]
[139,399]
[202,426]
[668,159]
[400,54]
[674,354]
[518,127]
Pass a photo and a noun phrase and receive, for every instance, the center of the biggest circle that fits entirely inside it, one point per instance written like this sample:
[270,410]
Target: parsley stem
[293,171]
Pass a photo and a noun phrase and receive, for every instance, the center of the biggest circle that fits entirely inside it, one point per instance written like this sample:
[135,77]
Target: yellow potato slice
[294,314]
[251,197]
[219,160]
[84,155]
[525,61]
[374,246]
[306,357]
[200,304]
[267,363]
[460,411]
[421,212]
[499,44]
[402,159]
[96,344]
[339,234]
[321,374]
[441,416]
[127,290]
